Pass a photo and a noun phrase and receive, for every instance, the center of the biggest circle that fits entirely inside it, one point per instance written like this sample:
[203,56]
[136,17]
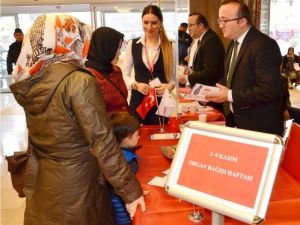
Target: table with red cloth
[284,207]
[211,116]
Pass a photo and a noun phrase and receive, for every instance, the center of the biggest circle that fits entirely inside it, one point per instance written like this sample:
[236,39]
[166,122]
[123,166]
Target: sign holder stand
[217,219]
[217,154]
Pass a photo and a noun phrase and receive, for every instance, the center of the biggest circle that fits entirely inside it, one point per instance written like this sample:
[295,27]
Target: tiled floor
[14,138]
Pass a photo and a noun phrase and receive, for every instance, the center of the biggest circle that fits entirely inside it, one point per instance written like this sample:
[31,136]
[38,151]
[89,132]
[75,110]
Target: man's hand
[286,115]
[131,207]
[219,97]
[182,79]
[187,70]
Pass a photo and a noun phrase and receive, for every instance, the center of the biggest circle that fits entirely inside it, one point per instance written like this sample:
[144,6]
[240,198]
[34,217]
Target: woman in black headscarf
[101,61]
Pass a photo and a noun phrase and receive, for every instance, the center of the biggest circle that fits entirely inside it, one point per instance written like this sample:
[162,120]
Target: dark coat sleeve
[257,76]
[90,112]
[209,62]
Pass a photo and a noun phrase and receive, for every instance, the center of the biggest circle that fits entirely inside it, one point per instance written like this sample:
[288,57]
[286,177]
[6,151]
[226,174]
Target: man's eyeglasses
[192,24]
[224,21]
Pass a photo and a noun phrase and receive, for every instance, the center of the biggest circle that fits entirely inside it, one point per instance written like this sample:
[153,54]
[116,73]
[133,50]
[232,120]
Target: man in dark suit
[206,58]
[251,93]
[14,50]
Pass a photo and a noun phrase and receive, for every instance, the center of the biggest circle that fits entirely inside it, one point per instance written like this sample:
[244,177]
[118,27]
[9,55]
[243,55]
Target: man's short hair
[244,11]
[18,30]
[200,18]
[185,25]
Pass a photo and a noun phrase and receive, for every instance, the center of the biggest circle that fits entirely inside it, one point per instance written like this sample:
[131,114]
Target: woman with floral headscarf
[74,150]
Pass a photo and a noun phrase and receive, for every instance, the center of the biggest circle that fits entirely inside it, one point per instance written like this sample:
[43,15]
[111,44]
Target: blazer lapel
[243,48]
[196,52]
[202,42]
[245,44]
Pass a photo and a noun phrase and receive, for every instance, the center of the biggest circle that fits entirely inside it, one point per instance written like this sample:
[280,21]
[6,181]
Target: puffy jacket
[114,100]
[75,150]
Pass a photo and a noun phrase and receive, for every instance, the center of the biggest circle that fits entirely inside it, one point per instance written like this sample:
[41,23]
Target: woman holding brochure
[153,66]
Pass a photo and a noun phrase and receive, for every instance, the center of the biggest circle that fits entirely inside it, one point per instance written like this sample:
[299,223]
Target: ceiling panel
[66,2]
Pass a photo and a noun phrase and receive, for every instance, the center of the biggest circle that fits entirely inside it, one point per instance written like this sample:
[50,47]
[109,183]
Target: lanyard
[150,65]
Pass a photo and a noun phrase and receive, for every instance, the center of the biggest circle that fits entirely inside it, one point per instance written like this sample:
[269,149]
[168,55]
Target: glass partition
[24,16]
[7,27]
[124,16]
[285,27]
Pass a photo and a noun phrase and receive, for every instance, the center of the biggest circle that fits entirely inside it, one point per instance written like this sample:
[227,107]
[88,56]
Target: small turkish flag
[148,102]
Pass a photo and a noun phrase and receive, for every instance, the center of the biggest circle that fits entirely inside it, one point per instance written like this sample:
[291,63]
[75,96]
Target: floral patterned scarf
[53,38]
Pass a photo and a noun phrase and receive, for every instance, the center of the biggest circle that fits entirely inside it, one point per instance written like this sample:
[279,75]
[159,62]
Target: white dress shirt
[153,54]
[193,52]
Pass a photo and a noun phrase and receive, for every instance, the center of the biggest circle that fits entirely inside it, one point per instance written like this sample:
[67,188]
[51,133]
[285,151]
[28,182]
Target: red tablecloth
[212,116]
[284,207]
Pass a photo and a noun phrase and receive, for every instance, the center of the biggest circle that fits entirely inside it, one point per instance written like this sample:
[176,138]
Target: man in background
[14,50]
[206,57]
[184,42]
[288,67]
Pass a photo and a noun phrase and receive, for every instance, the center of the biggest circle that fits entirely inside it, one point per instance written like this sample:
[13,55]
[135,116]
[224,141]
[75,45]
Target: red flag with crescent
[148,102]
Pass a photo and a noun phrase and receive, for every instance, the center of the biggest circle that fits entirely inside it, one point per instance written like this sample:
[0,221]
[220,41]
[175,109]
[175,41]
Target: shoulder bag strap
[110,81]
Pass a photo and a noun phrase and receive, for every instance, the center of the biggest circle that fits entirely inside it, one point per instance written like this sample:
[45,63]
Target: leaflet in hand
[155,82]
[199,91]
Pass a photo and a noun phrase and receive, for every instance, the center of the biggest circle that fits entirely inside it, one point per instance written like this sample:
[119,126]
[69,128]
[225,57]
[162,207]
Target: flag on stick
[148,102]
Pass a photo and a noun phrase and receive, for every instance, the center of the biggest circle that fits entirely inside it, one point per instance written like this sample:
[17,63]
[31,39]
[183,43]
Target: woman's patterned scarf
[53,38]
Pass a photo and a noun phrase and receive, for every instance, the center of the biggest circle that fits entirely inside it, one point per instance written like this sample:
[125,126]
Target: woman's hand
[161,89]
[143,88]
[131,207]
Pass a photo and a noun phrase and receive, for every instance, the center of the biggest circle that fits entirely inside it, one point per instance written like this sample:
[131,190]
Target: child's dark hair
[124,124]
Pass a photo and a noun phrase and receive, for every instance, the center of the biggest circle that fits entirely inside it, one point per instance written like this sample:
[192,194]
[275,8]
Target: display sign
[228,170]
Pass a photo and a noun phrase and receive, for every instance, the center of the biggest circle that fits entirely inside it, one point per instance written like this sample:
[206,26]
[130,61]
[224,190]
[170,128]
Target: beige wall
[210,8]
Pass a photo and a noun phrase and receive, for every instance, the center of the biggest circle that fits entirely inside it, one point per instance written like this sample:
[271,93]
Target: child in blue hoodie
[126,129]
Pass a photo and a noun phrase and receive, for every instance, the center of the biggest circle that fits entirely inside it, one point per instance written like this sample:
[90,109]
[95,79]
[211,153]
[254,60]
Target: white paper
[199,91]
[296,66]
[158,181]
[167,106]
[193,107]
[288,125]
[166,171]
[155,82]
[163,136]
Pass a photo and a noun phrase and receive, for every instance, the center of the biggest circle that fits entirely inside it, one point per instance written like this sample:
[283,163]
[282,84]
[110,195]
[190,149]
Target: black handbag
[17,165]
